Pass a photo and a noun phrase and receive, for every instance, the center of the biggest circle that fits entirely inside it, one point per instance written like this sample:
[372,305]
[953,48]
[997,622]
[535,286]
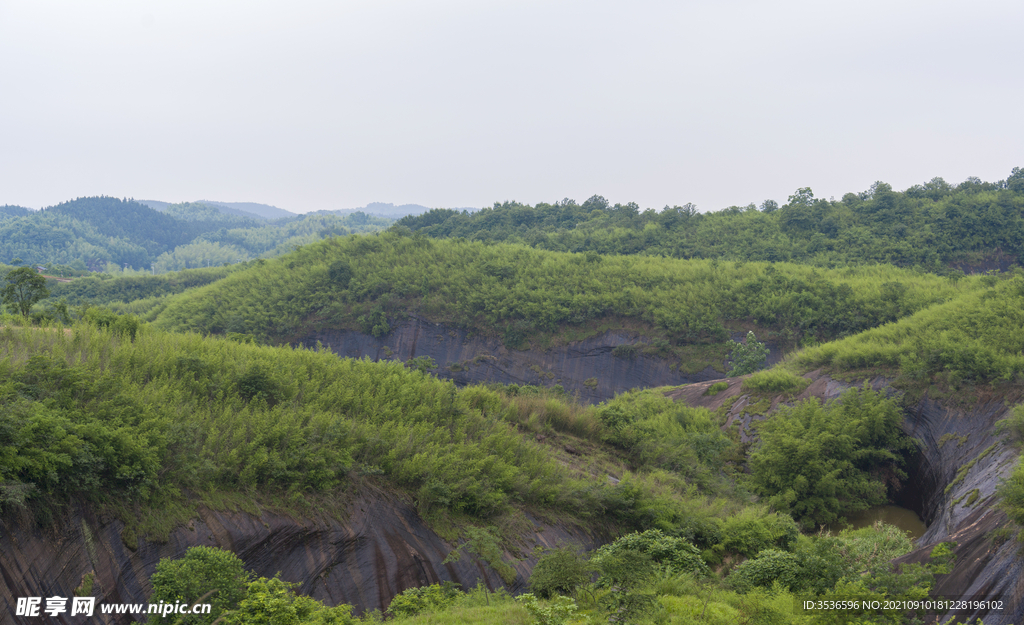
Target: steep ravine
[953,436]
[585,368]
[380,548]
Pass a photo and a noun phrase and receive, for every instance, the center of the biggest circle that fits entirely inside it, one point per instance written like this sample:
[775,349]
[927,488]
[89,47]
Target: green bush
[673,555]
[771,566]
[274,602]
[716,388]
[776,381]
[755,529]
[1013,425]
[424,599]
[1011,494]
[203,575]
[556,612]
[747,357]
[819,462]
[559,572]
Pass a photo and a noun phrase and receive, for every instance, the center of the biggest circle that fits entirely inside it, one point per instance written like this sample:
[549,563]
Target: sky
[310,105]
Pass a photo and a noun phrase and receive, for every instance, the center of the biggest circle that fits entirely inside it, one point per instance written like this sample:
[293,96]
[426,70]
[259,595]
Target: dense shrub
[775,381]
[208,574]
[821,461]
[673,555]
[423,599]
[559,572]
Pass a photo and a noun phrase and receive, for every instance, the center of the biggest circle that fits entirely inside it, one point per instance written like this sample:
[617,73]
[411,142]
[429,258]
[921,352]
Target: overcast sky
[327,104]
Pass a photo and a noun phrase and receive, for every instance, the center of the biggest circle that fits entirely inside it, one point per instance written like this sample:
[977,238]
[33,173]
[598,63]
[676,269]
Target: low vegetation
[643,578]
[974,338]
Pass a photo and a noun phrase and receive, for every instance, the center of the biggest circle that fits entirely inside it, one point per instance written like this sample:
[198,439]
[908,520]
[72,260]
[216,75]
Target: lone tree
[24,287]
[747,358]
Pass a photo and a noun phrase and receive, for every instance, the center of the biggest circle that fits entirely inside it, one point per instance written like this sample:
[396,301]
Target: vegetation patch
[966,468]
[821,461]
[777,381]
[716,388]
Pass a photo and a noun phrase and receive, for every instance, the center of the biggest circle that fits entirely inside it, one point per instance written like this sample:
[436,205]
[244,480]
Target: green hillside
[110,234]
[147,425]
[523,294]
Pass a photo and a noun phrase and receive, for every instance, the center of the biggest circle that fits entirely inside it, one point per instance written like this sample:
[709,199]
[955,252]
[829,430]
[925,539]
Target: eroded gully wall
[952,436]
[378,549]
[481,359]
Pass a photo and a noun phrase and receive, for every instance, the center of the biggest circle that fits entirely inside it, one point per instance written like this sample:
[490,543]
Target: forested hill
[933,225]
[108,234]
[130,220]
[522,294]
[9,210]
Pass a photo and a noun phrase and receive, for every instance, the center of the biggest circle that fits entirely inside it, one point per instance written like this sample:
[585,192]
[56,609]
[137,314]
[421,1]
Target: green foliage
[484,543]
[423,599]
[626,573]
[259,383]
[560,572]
[274,602]
[716,388]
[625,351]
[964,469]
[1011,494]
[771,566]
[341,273]
[423,364]
[755,529]
[747,357]
[929,225]
[521,293]
[974,338]
[658,432]
[202,575]
[375,323]
[817,563]
[777,381]
[557,611]
[124,235]
[1012,426]
[24,287]
[819,462]
[670,554]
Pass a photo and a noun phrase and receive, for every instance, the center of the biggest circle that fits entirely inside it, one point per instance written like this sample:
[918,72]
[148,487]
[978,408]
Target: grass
[776,381]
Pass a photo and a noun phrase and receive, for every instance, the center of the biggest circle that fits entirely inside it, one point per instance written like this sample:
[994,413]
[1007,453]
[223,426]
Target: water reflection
[906,520]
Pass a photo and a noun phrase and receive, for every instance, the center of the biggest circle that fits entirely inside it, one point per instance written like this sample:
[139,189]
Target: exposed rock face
[586,367]
[961,510]
[380,549]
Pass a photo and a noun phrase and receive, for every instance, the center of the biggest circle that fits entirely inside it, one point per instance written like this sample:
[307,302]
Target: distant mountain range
[251,210]
[266,211]
[112,234]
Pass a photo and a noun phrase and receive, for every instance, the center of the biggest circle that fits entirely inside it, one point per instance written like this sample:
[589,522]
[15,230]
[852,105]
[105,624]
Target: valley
[497,399]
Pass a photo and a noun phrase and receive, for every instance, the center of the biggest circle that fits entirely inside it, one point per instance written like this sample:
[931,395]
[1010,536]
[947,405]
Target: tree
[1016,180]
[203,575]
[747,358]
[24,288]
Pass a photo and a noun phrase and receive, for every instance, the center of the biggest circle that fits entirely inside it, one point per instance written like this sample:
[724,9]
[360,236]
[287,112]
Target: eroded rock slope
[951,484]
